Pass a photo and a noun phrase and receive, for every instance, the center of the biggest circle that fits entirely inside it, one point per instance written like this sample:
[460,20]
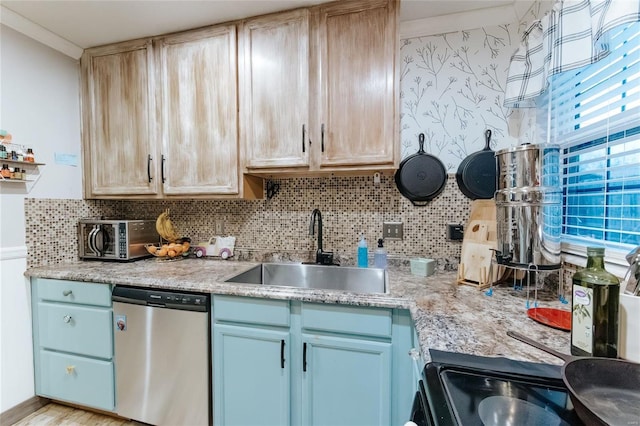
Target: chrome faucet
[322,257]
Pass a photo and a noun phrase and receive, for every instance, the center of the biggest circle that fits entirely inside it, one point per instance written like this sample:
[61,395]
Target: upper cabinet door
[275,90]
[198,112]
[118,124]
[358,105]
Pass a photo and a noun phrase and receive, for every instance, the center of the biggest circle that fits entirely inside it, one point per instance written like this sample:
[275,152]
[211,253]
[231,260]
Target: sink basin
[342,278]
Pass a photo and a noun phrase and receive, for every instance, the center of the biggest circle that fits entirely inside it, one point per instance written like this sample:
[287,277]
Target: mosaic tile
[349,205]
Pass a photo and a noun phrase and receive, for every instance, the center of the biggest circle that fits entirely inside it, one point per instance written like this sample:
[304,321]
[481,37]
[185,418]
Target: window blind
[594,115]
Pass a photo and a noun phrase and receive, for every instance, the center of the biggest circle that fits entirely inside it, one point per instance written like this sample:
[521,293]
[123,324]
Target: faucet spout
[316,213]
[322,257]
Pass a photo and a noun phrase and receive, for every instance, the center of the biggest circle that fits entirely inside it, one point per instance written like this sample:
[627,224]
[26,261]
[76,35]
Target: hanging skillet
[477,173]
[421,176]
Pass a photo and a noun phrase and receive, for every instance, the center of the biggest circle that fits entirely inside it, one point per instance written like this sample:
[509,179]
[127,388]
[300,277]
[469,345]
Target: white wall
[39,106]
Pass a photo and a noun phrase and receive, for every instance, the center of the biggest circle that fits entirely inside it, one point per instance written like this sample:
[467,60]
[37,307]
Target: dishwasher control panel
[161,298]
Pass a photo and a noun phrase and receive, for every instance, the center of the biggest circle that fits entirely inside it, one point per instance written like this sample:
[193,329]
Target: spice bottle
[3,152]
[29,156]
[5,172]
[594,307]
[14,156]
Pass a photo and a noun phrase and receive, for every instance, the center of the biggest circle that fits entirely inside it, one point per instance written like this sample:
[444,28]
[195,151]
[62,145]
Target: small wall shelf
[27,166]
[24,163]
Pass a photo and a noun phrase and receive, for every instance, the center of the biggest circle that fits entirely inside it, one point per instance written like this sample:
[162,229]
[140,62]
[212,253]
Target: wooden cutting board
[480,237]
[483,210]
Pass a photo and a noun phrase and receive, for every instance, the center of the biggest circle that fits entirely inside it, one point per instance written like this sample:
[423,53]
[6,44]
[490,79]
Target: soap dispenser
[363,252]
[380,256]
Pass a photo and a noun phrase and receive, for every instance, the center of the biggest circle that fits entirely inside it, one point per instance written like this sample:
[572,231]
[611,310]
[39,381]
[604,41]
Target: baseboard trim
[9,253]
[22,410]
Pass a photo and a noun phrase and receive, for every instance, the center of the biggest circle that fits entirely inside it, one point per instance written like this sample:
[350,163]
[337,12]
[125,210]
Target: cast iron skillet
[476,174]
[604,391]
[421,176]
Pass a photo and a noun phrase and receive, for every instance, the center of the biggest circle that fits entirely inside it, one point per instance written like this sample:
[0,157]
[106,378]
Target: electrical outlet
[219,227]
[392,230]
[455,232]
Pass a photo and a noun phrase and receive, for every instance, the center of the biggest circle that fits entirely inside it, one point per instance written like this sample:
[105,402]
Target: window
[594,115]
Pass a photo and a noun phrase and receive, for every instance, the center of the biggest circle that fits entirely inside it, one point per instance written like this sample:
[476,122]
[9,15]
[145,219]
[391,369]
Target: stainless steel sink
[342,278]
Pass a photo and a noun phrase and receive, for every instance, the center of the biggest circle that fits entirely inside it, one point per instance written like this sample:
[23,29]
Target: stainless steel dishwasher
[162,356]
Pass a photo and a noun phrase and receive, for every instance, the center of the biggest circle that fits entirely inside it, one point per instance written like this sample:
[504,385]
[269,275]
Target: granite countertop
[447,316]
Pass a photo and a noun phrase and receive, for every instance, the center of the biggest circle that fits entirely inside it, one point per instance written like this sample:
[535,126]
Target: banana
[165,227]
[160,224]
[170,230]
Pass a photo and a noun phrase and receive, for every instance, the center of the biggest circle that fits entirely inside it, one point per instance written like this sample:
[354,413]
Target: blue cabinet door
[345,381]
[251,376]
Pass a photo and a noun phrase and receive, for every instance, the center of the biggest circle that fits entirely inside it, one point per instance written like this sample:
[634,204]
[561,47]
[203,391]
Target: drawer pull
[67,293]
[66,318]
[71,369]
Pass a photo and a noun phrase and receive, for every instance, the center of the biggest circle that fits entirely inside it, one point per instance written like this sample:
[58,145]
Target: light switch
[392,230]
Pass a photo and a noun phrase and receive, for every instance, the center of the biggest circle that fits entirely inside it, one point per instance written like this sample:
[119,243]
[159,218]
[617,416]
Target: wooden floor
[55,414]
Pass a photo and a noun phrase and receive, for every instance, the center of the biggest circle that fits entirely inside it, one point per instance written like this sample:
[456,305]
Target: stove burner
[471,390]
[508,411]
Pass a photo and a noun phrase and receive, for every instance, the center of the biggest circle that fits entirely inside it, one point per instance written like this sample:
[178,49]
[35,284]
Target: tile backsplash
[275,229]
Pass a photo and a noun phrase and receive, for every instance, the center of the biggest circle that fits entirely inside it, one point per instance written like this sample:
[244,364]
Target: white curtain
[573,34]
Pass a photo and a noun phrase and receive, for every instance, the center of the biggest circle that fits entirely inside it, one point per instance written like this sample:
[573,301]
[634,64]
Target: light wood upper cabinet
[199,112]
[332,66]
[309,91]
[160,118]
[358,102]
[275,90]
[118,120]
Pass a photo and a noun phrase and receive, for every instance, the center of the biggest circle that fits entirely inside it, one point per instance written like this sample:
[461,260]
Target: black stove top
[469,390]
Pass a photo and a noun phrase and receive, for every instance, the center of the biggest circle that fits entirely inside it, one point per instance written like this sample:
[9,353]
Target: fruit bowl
[169,250]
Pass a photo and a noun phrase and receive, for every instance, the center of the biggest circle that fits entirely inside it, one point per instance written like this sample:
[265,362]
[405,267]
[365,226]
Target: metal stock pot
[529,206]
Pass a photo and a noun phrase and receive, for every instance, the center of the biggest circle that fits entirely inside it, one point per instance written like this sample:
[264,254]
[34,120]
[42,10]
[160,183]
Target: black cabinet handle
[162,169]
[149,167]
[304,357]
[282,353]
[322,137]
[303,135]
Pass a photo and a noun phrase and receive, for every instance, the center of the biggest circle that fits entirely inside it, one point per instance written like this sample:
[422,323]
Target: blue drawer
[74,292]
[77,379]
[347,319]
[79,329]
[251,310]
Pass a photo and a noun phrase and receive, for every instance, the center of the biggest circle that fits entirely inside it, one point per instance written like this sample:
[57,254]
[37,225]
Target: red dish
[556,318]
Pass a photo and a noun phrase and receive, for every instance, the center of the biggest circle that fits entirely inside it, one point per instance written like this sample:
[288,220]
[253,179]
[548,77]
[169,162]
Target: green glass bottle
[594,306]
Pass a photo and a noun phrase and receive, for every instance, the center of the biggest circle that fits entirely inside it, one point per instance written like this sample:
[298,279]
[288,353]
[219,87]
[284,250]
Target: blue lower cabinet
[345,381]
[73,342]
[278,362]
[251,375]
[77,379]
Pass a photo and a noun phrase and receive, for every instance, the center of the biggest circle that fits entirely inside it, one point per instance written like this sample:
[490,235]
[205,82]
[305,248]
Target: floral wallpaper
[452,90]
